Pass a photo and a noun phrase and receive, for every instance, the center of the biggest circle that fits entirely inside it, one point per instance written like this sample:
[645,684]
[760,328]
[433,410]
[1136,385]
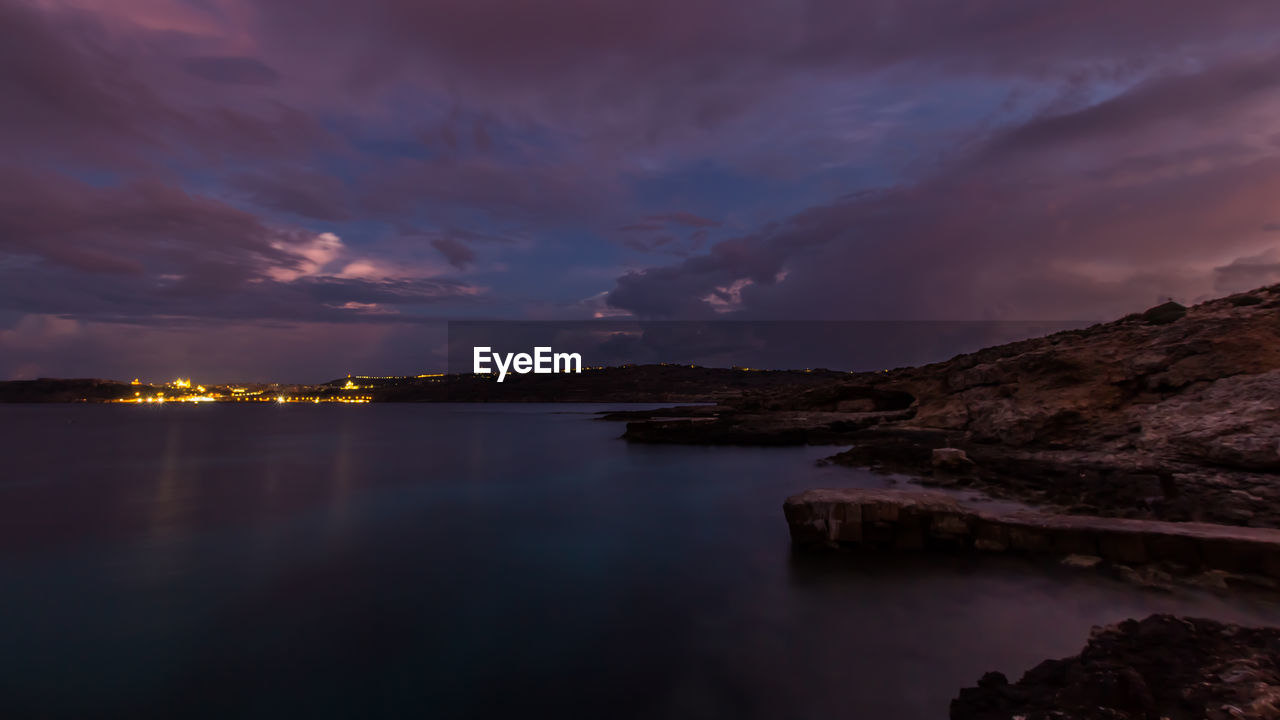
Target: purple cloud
[231,70]
[1073,216]
[240,163]
[299,191]
[455,251]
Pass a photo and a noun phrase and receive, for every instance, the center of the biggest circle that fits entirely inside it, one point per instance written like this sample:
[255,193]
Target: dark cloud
[66,93]
[1066,227]
[89,90]
[340,292]
[653,243]
[685,218]
[455,244]
[663,69]
[147,250]
[238,164]
[453,250]
[472,236]
[658,233]
[303,192]
[232,70]
[274,351]
[541,194]
[157,302]
[643,226]
[1247,273]
[1178,98]
[662,221]
[144,225]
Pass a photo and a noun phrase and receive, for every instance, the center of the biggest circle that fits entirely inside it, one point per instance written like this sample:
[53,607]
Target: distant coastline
[626,384]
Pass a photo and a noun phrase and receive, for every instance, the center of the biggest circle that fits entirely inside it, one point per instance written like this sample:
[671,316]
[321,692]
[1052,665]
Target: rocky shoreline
[1172,414]
[1149,446]
[1150,552]
[1159,667]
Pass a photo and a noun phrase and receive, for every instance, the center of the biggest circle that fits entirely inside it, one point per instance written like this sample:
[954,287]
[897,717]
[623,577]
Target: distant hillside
[639,383]
[60,390]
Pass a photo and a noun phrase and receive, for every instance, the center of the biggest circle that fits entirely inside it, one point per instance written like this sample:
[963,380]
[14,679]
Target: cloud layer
[339,175]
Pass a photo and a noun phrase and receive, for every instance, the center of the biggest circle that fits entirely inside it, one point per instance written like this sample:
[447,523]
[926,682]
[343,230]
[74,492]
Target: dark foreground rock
[1160,667]
[915,520]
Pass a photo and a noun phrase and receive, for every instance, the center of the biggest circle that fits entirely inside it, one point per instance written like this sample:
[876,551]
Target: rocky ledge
[1171,414]
[915,520]
[1160,667]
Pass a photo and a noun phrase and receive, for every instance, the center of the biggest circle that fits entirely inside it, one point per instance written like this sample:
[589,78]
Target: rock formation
[1141,550]
[1160,667]
[1171,414]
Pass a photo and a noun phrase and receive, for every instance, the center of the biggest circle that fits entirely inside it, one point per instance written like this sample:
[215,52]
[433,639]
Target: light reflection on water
[476,561]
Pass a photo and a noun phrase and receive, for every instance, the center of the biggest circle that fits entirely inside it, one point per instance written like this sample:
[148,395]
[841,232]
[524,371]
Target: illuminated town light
[197,394]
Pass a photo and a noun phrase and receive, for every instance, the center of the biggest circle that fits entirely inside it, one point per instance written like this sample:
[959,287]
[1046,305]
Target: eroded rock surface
[1172,414]
[1146,549]
[1160,667]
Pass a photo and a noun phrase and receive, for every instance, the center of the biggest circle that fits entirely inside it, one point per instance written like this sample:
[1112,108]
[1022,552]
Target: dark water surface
[446,561]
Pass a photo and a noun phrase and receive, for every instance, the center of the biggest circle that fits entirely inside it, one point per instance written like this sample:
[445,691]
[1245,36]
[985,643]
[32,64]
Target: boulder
[951,459]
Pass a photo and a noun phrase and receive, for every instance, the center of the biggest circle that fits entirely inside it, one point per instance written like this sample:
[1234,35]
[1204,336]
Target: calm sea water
[480,561]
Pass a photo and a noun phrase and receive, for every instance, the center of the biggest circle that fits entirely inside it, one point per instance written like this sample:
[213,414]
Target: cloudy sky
[297,190]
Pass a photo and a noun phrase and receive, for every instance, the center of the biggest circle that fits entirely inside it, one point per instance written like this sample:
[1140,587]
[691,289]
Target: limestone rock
[1159,667]
[912,519]
[1081,561]
[1233,422]
[951,459]
[859,405]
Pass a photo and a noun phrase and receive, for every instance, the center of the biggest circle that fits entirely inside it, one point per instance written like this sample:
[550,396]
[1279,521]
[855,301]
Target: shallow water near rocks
[474,561]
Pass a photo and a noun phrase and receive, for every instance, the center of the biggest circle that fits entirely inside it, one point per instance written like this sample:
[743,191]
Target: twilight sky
[241,189]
